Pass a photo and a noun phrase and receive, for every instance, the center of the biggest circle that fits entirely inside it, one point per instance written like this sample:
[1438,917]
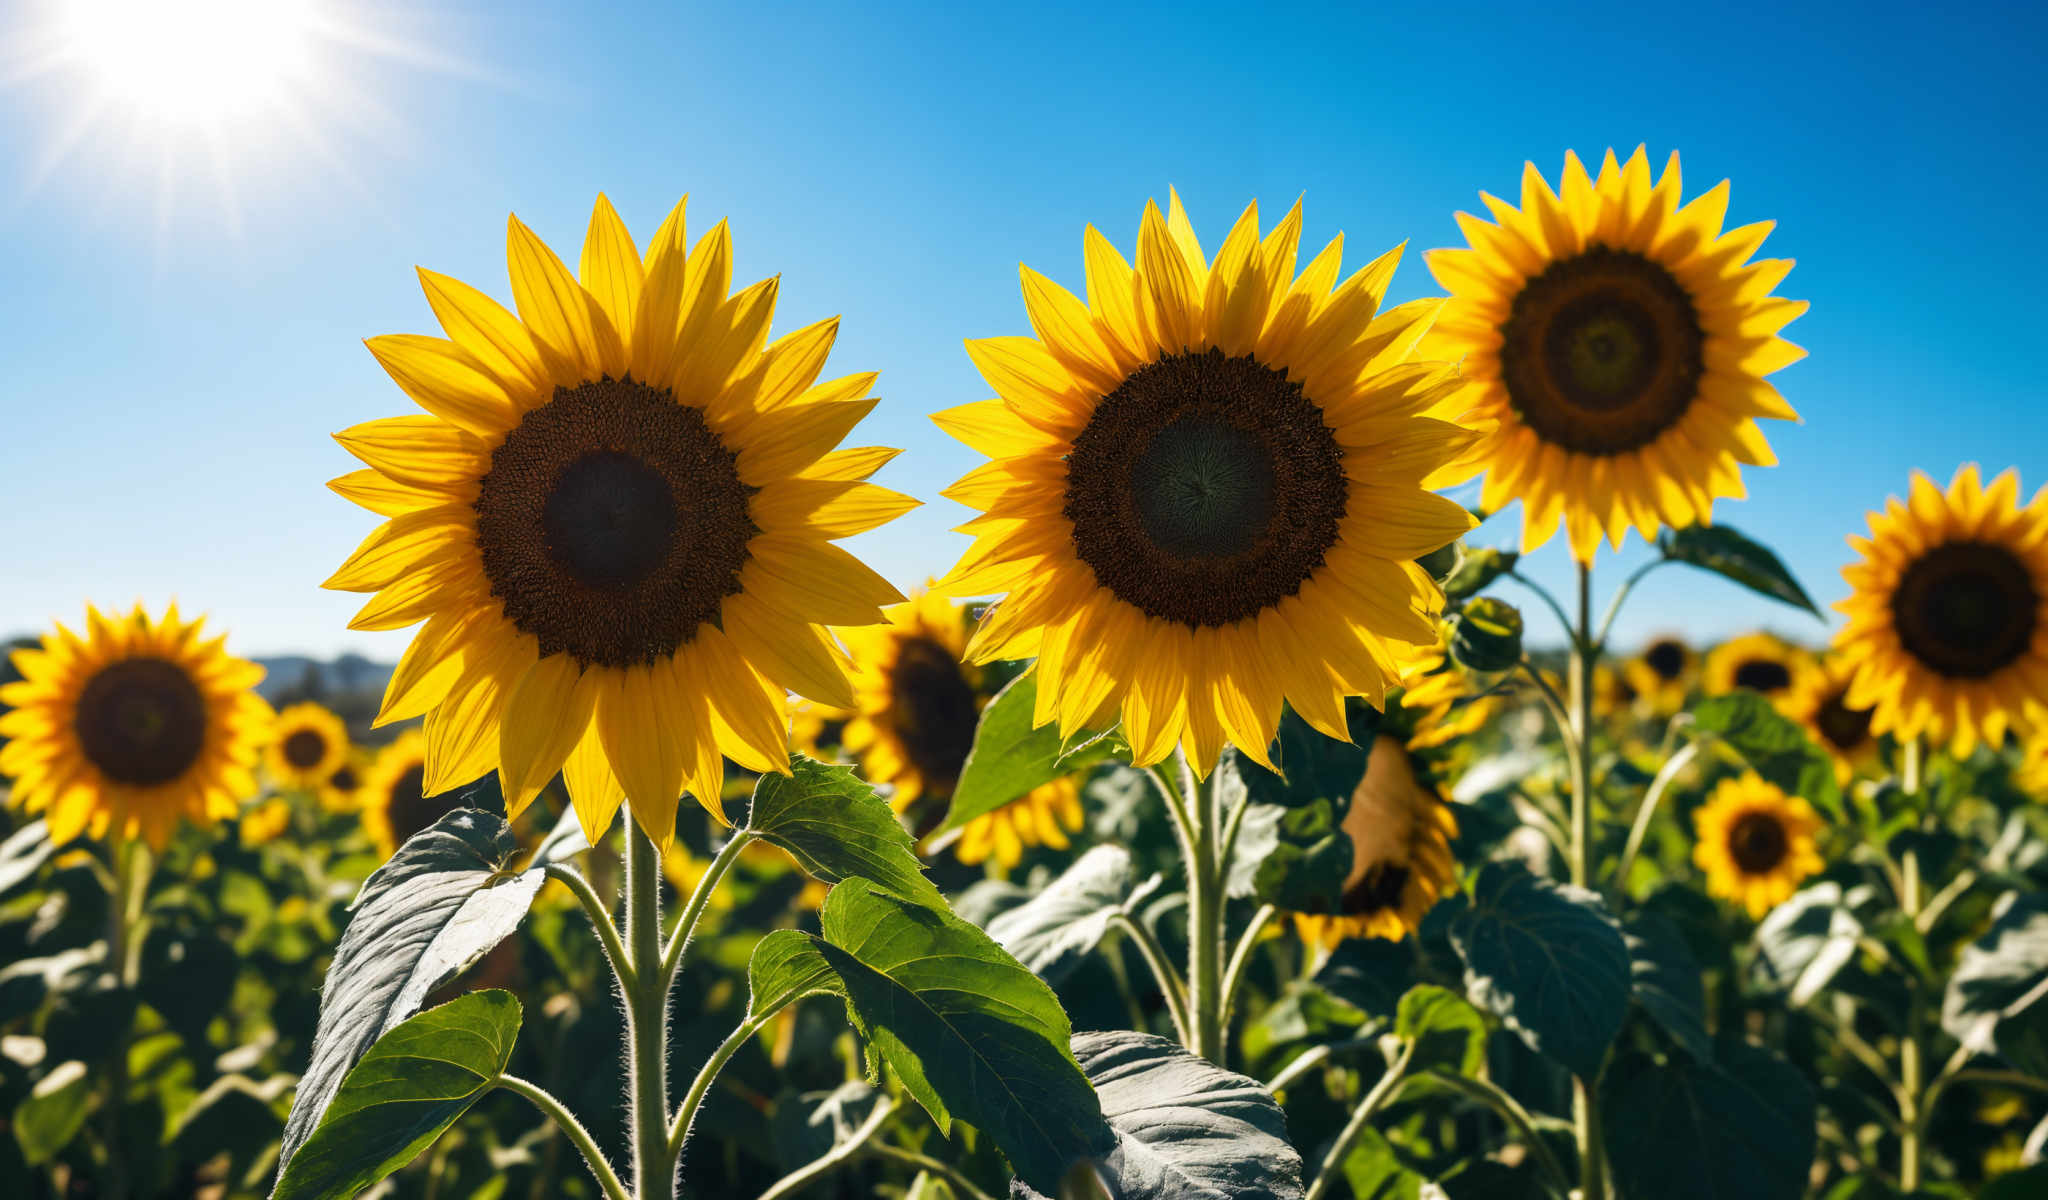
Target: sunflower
[1662,673]
[916,704]
[1948,612]
[308,746]
[1614,346]
[1401,831]
[265,821]
[1760,662]
[393,799]
[127,729]
[1205,494]
[1044,816]
[1819,700]
[616,519]
[913,724]
[1755,842]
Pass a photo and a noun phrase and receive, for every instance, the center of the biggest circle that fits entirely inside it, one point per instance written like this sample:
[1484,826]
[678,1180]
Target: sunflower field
[1210,828]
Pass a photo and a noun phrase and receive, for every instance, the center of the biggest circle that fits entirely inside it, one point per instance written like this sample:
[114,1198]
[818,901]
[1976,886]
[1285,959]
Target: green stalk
[1585,648]
[1912,1070]
[566,1121]
[654,1167]
[1205,921]
[1332,1169]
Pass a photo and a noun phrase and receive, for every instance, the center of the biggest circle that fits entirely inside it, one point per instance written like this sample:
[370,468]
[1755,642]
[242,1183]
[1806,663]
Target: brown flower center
[1764,675]
[612,523]
[1966,609]
[1757,842]
[1378,891]
[141,721]
[933,711]
[1844,728]
[1666,658]
[1602,352]
[304,748]
[1205,489]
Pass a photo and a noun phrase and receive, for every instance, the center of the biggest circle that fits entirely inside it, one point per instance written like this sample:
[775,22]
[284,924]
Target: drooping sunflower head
[1948,612]
[1614,343]
[1761,662]
[616,519]
[1401,830]
[1662,673]
[1044,816]
[1819,700]
[1205,492]
[308,746]
[1755,843]
[126,730]
[393,799]
[916,703]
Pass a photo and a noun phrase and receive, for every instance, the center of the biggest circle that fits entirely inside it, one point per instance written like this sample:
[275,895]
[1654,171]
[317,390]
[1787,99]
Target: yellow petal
[611,268]
[442,380]
[546,714]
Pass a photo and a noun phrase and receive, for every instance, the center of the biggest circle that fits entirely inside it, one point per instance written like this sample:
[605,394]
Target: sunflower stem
[1200,843]
[1585,649]
[1911,1070]
[1170,985]
[1648,809]
[600,919]
[1240,958]
[1332,1170]
[654,1167]
[566,1121]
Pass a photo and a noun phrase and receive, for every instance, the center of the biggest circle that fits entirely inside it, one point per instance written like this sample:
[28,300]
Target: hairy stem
[693,909]
[854,1143]
[1169,980]
[566,1121]
[647,1020]
[1332,1169]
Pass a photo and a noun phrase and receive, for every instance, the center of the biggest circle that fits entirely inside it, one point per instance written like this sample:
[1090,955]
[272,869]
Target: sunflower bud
[1487,635]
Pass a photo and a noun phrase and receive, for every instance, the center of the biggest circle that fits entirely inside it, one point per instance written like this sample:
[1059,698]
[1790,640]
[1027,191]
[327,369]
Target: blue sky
[175,362]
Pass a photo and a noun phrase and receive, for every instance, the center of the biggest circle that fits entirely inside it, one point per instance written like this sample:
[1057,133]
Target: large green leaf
[1804,942]
[1738,1128]
[1774,744]
[969,1031]
[1185,1129]
[1370,973]
[1727,553]
[836,827]
[1548,960]
[441,903]
[1010,756]
[1054,931]
[1445,1030]
[50,1115]
[1997,1001]
[405,1092]
[1666,982]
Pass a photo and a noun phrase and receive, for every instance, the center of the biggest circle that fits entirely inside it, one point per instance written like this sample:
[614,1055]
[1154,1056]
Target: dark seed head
[141,721]
[1602,352]
[1757,842]
[304,749]
[1205,489]
[612,523]
[1766,675]
[1966,609]
[933,709]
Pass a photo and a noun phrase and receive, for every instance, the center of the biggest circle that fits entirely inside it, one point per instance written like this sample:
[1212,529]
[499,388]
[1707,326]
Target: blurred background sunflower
[308,747]
[1755,843]
[1763,663]
[1662,673]
[139,724]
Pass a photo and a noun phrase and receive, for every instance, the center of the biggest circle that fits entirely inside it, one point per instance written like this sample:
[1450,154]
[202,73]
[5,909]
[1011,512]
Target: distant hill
[296,677]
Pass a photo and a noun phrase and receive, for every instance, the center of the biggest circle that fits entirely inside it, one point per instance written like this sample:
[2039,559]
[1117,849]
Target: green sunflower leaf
[1727,553]
[1997,1001]
[1548,959]
[1184,1128]
[443,901]
[1804,942]
[1446,1031]
[1774,744]
[837,827]
[53,1111]
[968,1030]
[406,1091]
[1738,1128]
[1010,757]
[1666,982]
[1053,932]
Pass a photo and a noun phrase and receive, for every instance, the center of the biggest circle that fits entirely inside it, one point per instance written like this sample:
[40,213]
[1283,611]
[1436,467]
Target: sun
[194,61]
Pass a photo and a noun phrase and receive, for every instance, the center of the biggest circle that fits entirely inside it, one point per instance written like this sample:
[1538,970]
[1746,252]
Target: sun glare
[191,60]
